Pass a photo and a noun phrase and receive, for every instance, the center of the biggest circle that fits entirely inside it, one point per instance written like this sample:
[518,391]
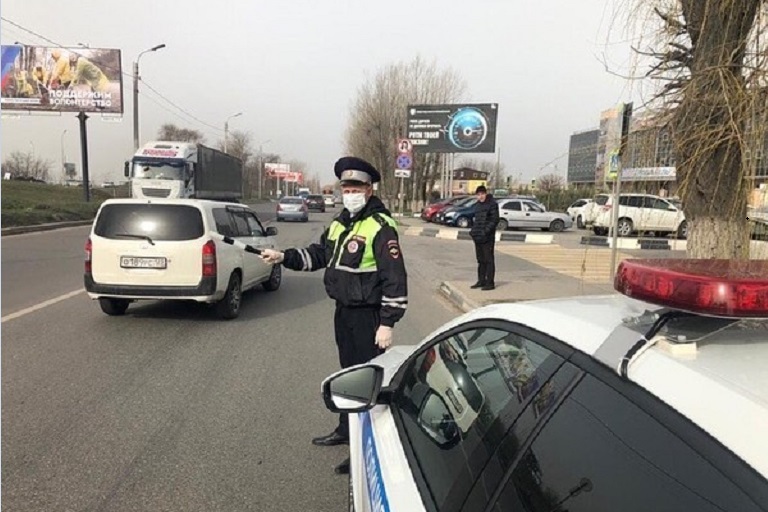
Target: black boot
[343,468]
[332,439]
[489,286]
[477,285]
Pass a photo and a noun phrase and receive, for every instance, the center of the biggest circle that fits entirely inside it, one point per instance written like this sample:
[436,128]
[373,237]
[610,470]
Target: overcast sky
[292,67]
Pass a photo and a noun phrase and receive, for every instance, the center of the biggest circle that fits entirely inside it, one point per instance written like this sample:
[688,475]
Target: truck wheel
[229,307]
[275,278]
[114,307]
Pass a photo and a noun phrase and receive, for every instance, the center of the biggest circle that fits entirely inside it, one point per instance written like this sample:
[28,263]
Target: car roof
[201,203]
[720,382]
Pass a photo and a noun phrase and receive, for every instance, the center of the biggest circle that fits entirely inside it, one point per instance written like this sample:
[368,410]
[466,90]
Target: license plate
[142,262]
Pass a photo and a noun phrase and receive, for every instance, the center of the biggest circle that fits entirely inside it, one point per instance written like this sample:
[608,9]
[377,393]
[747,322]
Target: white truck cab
[162,170]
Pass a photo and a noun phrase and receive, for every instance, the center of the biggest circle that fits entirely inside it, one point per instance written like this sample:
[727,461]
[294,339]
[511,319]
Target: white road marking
[37,307]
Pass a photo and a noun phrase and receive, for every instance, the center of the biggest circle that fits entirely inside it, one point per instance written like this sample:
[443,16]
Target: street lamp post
[261,164]
[226,129]
[136,94]
[63,156]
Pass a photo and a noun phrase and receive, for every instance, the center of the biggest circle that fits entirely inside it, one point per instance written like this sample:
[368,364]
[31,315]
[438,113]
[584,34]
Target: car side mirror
[127,169]
[271,231]
[436,420]
[354,389]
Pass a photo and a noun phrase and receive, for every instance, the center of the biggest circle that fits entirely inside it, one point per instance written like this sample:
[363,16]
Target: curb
[636,244]
[463,234]
[457,298]
[19,230]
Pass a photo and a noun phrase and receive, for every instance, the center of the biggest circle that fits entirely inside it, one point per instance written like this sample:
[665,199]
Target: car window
[531,207]
[658,204]
[291,200]
[512,205]
[315,198]
[578,203]
[601,200]
[241,223]
[601,453]
[165,222]
[635,201]
[254,225]
[624,200]
[458,398]
[225,224]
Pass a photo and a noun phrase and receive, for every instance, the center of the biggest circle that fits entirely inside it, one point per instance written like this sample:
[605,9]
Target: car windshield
[156,222]
[314,198]
[158,170]
[291,200]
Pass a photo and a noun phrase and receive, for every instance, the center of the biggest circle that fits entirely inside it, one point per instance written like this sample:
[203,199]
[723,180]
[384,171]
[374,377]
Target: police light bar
[723,288]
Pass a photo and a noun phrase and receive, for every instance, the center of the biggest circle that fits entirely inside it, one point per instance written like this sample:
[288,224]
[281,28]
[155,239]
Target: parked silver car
[525,214]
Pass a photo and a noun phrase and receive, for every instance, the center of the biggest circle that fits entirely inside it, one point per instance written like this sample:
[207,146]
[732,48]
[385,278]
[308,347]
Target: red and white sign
[277,170]
[168,153]
[404,146]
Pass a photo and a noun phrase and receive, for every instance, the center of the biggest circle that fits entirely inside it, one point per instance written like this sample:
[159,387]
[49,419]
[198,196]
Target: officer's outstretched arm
[392,274]
[308,259]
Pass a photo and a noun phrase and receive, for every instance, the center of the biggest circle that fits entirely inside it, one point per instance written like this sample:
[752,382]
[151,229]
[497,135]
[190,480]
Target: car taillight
[88,256]
[279,207]
[209,259]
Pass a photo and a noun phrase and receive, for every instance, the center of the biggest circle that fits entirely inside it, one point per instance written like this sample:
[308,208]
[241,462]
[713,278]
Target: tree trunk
[717,238]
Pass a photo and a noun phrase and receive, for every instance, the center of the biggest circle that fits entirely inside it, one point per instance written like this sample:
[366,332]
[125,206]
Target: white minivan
[177,249]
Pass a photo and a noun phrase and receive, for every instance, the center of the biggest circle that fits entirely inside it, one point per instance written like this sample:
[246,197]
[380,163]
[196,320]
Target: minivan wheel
[274,279]
[114,307]
[625,227]
[229,307]
[462,222]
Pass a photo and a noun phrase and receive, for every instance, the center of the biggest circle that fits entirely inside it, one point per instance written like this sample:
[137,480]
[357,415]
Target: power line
[119,70]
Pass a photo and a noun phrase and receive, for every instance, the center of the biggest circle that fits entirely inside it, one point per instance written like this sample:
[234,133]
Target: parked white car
[176,249]
[577,210]
[642,213]
[519,213]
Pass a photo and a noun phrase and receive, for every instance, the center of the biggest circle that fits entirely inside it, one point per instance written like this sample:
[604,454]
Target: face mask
[354,202]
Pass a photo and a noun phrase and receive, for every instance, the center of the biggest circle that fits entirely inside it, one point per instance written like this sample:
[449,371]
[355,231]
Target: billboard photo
[273,170]
[469,128]
[51,79]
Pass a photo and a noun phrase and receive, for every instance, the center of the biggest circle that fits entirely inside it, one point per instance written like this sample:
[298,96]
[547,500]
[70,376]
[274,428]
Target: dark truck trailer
[218,175]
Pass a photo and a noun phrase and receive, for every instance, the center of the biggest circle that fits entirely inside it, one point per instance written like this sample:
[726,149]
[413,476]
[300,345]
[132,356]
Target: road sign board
[404,161]
[404,146]
[402,173]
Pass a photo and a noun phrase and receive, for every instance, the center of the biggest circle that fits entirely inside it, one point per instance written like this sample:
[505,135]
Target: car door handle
[527,214]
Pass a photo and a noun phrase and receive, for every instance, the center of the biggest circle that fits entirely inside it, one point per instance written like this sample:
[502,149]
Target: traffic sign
[404,146]
[402,173]
[404,161]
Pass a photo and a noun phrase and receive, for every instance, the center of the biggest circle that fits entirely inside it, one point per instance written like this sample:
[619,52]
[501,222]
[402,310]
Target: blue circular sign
[404,162]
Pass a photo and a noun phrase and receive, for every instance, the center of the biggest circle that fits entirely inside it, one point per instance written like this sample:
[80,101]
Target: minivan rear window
[164,222]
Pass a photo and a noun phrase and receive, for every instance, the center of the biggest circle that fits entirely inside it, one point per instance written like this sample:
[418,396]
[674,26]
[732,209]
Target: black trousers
[486,263]
[355,330]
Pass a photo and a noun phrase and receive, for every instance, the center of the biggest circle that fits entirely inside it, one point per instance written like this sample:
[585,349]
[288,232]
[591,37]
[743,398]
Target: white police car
[655,399]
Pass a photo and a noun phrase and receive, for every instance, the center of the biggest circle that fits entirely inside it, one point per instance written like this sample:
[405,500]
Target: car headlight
[450,215]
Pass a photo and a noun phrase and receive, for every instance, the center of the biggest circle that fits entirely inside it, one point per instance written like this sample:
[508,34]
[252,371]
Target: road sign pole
[402,197]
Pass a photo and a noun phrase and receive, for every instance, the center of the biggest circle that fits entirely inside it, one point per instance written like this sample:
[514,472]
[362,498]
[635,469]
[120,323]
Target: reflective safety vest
[353,249]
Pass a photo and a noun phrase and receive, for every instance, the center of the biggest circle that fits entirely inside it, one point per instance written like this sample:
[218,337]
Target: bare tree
[171,132]
[26,166]
[712,73]
[550,182]
[378,117]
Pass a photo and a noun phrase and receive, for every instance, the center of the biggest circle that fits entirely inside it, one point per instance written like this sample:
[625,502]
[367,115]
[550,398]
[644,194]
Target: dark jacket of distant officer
[364,272]
[483,233]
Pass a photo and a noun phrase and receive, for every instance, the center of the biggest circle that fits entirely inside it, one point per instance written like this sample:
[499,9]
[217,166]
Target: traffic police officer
[364,273]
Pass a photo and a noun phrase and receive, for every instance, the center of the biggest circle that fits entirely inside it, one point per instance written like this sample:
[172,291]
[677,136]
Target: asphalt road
[169,408]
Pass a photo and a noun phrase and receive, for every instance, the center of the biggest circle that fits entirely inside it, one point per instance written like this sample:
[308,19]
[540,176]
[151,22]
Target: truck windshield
[148,170]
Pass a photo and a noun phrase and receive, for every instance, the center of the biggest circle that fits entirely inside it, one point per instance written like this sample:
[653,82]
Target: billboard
[51,79]
[273,170]
[469,128]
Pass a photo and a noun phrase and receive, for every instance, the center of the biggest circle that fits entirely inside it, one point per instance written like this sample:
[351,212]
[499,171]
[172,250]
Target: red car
[428,212]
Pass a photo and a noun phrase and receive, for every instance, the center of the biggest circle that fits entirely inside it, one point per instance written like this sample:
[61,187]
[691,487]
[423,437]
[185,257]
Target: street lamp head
[158,47]
[238,114]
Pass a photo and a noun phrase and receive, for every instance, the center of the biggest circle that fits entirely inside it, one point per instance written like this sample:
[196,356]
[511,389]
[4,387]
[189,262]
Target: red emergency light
[723,288]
